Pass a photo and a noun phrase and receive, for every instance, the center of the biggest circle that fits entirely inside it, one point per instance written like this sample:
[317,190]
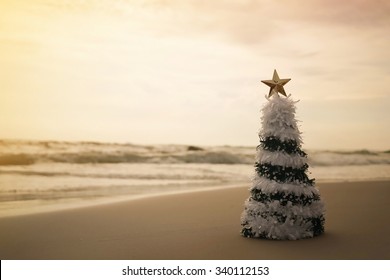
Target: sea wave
[151,176]
[29,152]
[348,158]
[102,157]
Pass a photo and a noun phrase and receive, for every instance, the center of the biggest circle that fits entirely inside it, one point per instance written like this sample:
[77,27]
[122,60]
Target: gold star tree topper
[276,84]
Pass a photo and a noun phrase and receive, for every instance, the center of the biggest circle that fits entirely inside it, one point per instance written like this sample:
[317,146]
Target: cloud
[362,13]
[255,21]
[247,22]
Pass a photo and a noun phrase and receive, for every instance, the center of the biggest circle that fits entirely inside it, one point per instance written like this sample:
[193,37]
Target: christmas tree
[283,202]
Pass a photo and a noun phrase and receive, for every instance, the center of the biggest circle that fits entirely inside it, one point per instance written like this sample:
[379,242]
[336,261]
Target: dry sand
[200,225]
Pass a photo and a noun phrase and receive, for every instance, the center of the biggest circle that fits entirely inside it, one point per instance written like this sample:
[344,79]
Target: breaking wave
[29,152]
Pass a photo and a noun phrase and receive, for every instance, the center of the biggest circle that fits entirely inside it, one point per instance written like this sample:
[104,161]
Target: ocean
[38,176]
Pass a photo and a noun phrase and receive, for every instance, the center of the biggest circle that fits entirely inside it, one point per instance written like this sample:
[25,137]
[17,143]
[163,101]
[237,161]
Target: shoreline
[82,202]
[200,225]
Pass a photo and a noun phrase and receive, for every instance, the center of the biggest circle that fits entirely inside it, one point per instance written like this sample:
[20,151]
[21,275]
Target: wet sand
[200,225]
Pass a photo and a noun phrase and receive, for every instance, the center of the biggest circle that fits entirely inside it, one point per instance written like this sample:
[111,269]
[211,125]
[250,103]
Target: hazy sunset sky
[189,71]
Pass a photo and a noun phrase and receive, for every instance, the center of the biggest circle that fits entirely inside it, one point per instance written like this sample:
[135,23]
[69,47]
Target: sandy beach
[200,225]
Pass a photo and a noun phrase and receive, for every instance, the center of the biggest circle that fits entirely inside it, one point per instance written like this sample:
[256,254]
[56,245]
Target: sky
[189,71]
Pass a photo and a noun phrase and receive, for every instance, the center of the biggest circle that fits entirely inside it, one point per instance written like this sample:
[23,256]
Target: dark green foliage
[283,174]
[283,198]
[317,225]
[274,144]
[247,232]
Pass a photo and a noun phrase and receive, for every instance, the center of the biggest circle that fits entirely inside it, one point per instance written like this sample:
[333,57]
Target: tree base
[316,230]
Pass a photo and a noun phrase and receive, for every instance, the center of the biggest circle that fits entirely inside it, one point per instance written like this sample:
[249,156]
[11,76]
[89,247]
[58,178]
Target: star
[276,84]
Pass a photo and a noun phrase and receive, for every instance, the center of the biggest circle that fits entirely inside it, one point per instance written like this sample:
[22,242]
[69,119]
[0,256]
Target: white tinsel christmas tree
[283,202]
